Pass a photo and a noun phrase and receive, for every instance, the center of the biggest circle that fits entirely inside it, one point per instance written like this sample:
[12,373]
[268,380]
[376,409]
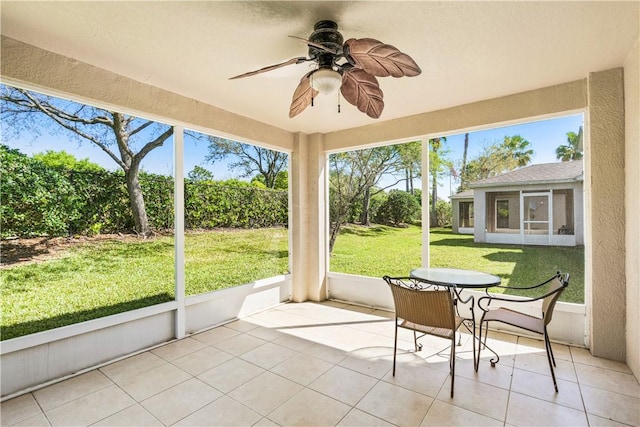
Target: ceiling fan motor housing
[325,33]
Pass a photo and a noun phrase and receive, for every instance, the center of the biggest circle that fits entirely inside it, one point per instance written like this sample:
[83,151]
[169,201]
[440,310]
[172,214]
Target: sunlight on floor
[330,364]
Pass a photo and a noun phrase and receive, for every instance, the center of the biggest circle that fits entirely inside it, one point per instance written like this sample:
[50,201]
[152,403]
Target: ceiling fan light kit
[352,66]
[326,80]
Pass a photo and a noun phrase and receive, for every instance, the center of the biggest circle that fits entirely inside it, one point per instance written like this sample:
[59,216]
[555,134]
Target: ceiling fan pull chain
[338,102]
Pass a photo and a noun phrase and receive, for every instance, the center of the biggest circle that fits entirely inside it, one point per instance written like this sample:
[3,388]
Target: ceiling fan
[353,66]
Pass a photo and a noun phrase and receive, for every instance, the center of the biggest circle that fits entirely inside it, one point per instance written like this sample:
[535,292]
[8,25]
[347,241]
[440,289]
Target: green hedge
[210,204]
[37,200]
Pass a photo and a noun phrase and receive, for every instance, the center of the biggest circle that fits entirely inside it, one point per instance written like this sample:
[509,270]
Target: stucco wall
[604,164]
[632,203]
[539,103]
[37,69]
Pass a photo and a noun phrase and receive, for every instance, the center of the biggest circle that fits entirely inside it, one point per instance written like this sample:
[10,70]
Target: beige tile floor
[330,365]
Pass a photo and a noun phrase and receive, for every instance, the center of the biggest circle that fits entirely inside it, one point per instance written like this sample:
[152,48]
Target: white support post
[178,159]
[425,202]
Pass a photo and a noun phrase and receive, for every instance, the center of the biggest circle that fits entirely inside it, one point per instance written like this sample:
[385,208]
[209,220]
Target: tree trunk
[334,230]
[136,199]
[366,198]
[433,218]
[411,182]
[407,178]
[464,160]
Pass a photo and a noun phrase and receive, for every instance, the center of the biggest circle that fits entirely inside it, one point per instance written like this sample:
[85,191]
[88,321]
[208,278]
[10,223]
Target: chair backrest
[429,307]
[556,286]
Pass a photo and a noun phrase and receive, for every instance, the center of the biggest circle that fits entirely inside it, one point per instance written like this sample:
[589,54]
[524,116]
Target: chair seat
[516,318]
[439,332]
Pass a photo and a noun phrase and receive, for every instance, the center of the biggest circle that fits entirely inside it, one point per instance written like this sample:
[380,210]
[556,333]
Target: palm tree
[517,150]
[571,151]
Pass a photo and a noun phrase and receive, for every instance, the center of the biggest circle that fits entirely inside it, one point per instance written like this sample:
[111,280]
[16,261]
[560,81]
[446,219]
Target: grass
[111,277]
[377,251]
[228,258]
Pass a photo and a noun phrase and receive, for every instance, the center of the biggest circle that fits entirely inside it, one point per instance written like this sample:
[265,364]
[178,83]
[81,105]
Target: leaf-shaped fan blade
[361,89]
[318,45]
[380,59]
[271,67]
[302,96]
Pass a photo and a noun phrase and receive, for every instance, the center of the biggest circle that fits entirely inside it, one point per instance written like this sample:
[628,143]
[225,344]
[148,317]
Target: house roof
[536,174]
[467,194]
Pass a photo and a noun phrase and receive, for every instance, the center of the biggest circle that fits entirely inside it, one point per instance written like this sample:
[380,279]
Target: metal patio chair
[550,289]
[427,309]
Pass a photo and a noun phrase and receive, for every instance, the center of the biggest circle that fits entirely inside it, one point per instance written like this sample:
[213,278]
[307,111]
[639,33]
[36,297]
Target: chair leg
[486,333]
[480,343]
[452,362]
[549,357]
[473,345]
[395,348]
[547,343]
[477,355]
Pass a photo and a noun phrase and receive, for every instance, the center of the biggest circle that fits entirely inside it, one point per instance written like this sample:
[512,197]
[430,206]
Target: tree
[200,174]
[572,150]
[281,182]
[513,152]
[411,161]
[438,165]
[66,161]
[371,164]
[353,178]
[115,133]
[249,159]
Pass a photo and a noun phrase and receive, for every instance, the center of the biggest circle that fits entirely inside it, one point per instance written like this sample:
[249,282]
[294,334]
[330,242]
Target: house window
[502,214]
[563,219]
[466,214]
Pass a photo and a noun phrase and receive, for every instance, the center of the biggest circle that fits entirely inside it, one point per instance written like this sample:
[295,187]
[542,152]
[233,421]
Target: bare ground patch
[37,249]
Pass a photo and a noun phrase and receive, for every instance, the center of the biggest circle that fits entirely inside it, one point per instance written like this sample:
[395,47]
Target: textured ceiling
[468,51]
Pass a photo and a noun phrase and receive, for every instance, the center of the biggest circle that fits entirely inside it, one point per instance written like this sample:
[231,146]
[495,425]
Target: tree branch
[59,117]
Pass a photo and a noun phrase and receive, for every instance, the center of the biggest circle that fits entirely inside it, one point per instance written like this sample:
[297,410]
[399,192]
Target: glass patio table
[457,280]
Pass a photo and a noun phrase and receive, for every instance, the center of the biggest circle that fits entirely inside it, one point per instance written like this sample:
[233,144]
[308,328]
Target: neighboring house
[534,205]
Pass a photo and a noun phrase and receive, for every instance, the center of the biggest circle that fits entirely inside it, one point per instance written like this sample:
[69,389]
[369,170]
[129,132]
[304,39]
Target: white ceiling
[468,51]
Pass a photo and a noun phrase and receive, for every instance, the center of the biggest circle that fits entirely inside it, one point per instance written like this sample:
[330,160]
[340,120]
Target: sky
[545,136]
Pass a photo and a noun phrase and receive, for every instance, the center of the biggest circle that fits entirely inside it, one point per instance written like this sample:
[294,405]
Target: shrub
[35,199]
[38,199]
[444,213]
[400,207]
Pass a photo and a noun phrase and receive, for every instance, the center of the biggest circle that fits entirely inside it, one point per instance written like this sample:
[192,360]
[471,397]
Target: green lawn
[109,277]
[379,250]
